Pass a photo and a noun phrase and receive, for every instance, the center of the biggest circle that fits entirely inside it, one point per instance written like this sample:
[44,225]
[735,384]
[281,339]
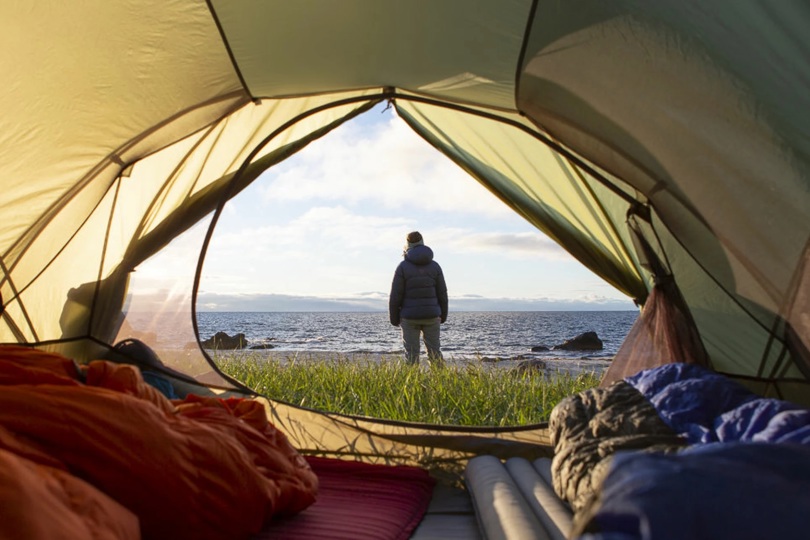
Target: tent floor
[450,516]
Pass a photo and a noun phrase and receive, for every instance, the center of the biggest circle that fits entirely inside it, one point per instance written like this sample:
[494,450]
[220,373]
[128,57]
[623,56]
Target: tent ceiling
[453,49]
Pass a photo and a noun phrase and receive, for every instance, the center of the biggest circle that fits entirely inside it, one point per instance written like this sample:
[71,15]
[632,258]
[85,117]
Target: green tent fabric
[127,124]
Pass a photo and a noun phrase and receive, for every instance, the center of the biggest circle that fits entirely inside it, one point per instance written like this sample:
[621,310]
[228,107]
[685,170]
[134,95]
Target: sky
[325,229]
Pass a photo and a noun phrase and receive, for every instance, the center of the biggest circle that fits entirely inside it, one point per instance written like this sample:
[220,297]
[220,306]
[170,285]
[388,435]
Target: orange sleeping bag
[40,500]
[201,468]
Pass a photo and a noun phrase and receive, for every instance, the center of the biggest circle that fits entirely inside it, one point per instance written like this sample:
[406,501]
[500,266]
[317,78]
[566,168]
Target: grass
[465,395]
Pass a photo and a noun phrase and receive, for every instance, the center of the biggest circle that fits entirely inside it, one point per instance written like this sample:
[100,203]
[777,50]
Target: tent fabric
[127,125]
[663,333]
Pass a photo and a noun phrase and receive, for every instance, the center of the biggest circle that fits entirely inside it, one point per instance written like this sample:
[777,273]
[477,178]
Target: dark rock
[222,341]
[588,341]
[262,346]
[530,365]
[539,348]
[495,359]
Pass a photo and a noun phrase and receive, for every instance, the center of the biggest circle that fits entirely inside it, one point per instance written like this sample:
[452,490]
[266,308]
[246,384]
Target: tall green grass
[474,394]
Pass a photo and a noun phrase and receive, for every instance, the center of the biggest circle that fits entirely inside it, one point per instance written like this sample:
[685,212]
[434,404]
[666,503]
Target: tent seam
[227,46]
[524,46]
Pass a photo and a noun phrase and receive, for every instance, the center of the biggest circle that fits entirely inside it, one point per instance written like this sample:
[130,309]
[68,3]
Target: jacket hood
[419,255]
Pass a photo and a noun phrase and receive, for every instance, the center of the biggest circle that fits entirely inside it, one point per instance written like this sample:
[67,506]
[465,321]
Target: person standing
[418,300]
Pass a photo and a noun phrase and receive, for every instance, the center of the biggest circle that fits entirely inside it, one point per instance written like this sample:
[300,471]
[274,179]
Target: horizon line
[386,311]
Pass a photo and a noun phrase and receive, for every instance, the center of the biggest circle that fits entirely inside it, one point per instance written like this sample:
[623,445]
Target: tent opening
[300,265]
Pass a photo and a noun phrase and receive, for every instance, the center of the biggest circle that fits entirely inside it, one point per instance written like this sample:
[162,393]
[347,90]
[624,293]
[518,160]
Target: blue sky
[324,230]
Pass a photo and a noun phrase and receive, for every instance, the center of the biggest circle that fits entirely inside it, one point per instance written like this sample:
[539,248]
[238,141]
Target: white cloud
[327,227]
[386,164]
[521,245]
[318,226]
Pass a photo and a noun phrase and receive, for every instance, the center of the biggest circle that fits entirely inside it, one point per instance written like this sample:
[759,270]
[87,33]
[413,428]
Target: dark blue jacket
[418,290]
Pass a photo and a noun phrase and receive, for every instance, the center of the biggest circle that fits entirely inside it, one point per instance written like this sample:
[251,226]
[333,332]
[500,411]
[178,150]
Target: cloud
[317,228]
[520,245]
[338,235]
[386,164]
[348,229]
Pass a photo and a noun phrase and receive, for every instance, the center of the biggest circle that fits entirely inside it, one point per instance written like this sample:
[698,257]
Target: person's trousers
[413,329]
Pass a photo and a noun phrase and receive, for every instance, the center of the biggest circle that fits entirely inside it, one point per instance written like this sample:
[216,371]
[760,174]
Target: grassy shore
[472,394]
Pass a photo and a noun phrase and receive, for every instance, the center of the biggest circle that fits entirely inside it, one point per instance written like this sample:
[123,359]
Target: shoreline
[548,364]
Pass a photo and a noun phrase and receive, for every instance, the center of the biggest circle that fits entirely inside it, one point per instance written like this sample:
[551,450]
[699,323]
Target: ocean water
[465,335]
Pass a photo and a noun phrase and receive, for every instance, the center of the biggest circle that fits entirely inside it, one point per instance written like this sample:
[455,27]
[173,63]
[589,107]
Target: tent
[665,145]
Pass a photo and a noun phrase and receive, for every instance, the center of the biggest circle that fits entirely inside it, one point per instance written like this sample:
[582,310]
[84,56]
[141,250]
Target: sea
[493,336]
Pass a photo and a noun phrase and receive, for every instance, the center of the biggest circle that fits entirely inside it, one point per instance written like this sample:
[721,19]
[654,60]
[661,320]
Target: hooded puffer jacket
[418,290]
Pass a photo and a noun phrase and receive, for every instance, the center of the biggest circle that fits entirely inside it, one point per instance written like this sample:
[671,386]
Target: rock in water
[222,341]
[588,341]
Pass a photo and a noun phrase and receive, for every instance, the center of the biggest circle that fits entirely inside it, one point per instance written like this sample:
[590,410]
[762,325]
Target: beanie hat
[414,239]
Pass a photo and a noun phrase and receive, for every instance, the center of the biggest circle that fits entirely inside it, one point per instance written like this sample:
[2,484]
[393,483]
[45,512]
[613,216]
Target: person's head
[413,239]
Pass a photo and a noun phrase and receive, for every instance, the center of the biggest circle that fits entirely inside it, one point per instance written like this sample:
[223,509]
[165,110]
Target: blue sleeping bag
[745,475]
[706,407]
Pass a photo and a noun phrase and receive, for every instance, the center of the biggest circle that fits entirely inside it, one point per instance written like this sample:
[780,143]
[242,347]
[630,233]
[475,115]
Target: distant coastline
[378,302]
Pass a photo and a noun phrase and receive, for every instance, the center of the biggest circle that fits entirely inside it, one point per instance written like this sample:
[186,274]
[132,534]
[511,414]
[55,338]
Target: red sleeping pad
[359,501]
